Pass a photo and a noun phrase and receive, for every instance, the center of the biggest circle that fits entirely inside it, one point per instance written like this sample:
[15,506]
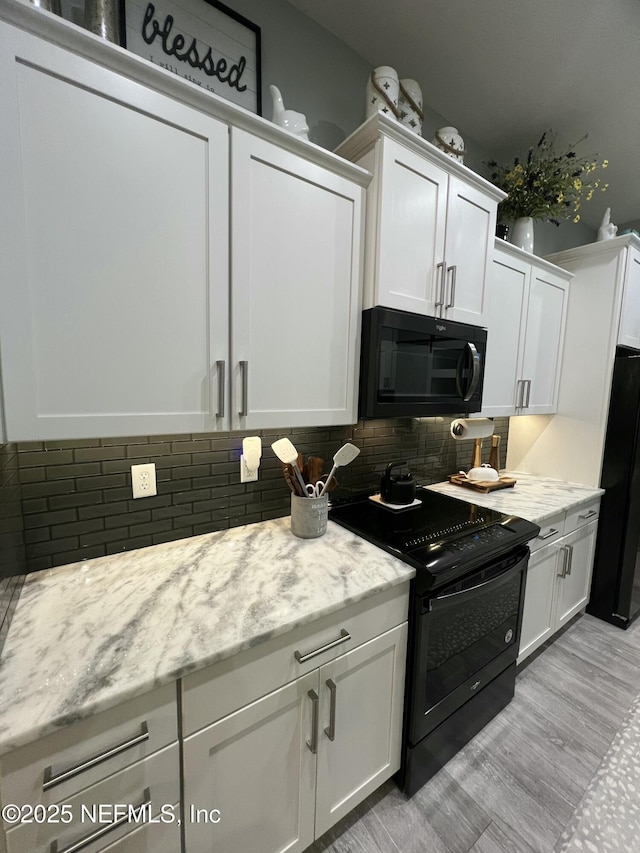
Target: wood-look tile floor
[514,788]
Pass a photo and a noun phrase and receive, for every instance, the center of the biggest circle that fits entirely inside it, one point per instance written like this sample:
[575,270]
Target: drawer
[582,515]
[225,687]
[154,780]
[57,766]
[550,530]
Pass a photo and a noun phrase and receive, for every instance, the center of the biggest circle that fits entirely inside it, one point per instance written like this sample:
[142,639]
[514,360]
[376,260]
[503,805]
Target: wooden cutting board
[482,485]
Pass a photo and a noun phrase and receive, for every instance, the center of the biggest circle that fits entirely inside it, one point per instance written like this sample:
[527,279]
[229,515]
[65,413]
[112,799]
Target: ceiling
[503,71]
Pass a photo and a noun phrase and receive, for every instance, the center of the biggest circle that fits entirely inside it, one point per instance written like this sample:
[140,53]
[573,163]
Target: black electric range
[465,617]
[441,536]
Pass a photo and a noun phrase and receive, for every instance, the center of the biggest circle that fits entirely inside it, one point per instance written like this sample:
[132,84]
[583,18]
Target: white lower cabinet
[276,773]
[110,782]
[558,575]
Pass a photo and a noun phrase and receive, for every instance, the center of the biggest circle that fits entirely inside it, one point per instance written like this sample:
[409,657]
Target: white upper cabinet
[295,290]
[412,213]
[525,316]
[629,333]
[114,256]
[430,224]
[118,219]
[603,313]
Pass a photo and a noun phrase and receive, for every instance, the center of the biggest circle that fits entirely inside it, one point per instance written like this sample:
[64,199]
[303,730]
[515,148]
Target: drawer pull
[301,658]
[552,532]
[330,731]
[313,743]
[99,833]
[50,781]
[591,514]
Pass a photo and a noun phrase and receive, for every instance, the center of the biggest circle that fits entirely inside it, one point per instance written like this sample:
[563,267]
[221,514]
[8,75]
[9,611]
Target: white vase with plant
[546,185]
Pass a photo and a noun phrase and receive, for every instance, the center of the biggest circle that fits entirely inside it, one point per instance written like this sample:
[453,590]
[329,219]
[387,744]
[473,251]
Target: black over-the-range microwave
[417,366]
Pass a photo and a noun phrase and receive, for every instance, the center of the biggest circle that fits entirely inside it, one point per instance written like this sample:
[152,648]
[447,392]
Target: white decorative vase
[383,88]
[294,122]
[448,139]
[521,233]
[410,105]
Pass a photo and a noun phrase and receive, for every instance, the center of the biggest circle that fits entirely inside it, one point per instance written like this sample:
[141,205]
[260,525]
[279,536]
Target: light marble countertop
[534,498]
[88,636]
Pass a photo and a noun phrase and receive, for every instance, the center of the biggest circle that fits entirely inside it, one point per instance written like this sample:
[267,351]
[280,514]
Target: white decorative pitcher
[410,105]
[521,233]
[383,88]
[290,120]
[448,139]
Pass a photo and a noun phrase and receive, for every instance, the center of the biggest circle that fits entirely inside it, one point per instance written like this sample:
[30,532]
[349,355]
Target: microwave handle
[475,373]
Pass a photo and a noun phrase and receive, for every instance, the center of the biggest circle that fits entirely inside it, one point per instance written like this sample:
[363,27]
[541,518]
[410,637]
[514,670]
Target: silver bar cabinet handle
[570,562]
[565,558]
[244,372]
[313,743]
[454,270]
[520,394]
[528,384]
[343,638]
[99,833]
[50,780]
[330,731]
[221,367]
[443,273]
[591,514]
[552,532]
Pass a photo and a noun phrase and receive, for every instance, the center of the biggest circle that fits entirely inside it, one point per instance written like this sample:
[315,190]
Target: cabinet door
[411,231]
[544,336]
[296,269]
[573,589]
[505,317]
[471,226]
[361,724]
[114,251]
[249,779]
[539,600]
[629,334]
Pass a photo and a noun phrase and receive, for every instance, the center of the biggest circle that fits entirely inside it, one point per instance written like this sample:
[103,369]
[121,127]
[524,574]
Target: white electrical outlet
[143,480]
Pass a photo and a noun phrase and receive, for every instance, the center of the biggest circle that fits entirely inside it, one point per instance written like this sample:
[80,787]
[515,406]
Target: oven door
[466,634]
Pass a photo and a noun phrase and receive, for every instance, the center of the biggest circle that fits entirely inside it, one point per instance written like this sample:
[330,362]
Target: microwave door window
[417,369]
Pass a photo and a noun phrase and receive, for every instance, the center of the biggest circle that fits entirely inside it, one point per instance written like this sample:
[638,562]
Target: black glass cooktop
[441,536]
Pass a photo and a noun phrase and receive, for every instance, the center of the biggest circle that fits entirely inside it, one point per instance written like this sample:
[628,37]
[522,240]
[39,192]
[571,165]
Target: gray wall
[321,77]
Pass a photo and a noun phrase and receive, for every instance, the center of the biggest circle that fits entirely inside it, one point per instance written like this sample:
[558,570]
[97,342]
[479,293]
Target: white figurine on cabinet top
[295,123]
[448,139]
[383,89]
[607,229]
[410,105]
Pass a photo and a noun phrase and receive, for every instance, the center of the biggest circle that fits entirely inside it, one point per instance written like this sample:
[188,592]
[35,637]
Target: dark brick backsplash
[76,495]
[12,546]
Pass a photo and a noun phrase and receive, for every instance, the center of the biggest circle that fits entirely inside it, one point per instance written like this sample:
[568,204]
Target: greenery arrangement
[547,184]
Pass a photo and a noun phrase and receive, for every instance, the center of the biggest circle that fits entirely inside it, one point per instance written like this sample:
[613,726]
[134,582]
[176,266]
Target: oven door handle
[513,569]
[475,373]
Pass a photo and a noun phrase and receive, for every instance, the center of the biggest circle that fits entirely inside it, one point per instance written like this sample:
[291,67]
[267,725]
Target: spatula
[342,457]
[286,452]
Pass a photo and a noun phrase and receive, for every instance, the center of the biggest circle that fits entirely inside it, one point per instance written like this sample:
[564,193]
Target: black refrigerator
[615,588]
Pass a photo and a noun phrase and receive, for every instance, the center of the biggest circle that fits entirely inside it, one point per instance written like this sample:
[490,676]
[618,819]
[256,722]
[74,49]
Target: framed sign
[201,40]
